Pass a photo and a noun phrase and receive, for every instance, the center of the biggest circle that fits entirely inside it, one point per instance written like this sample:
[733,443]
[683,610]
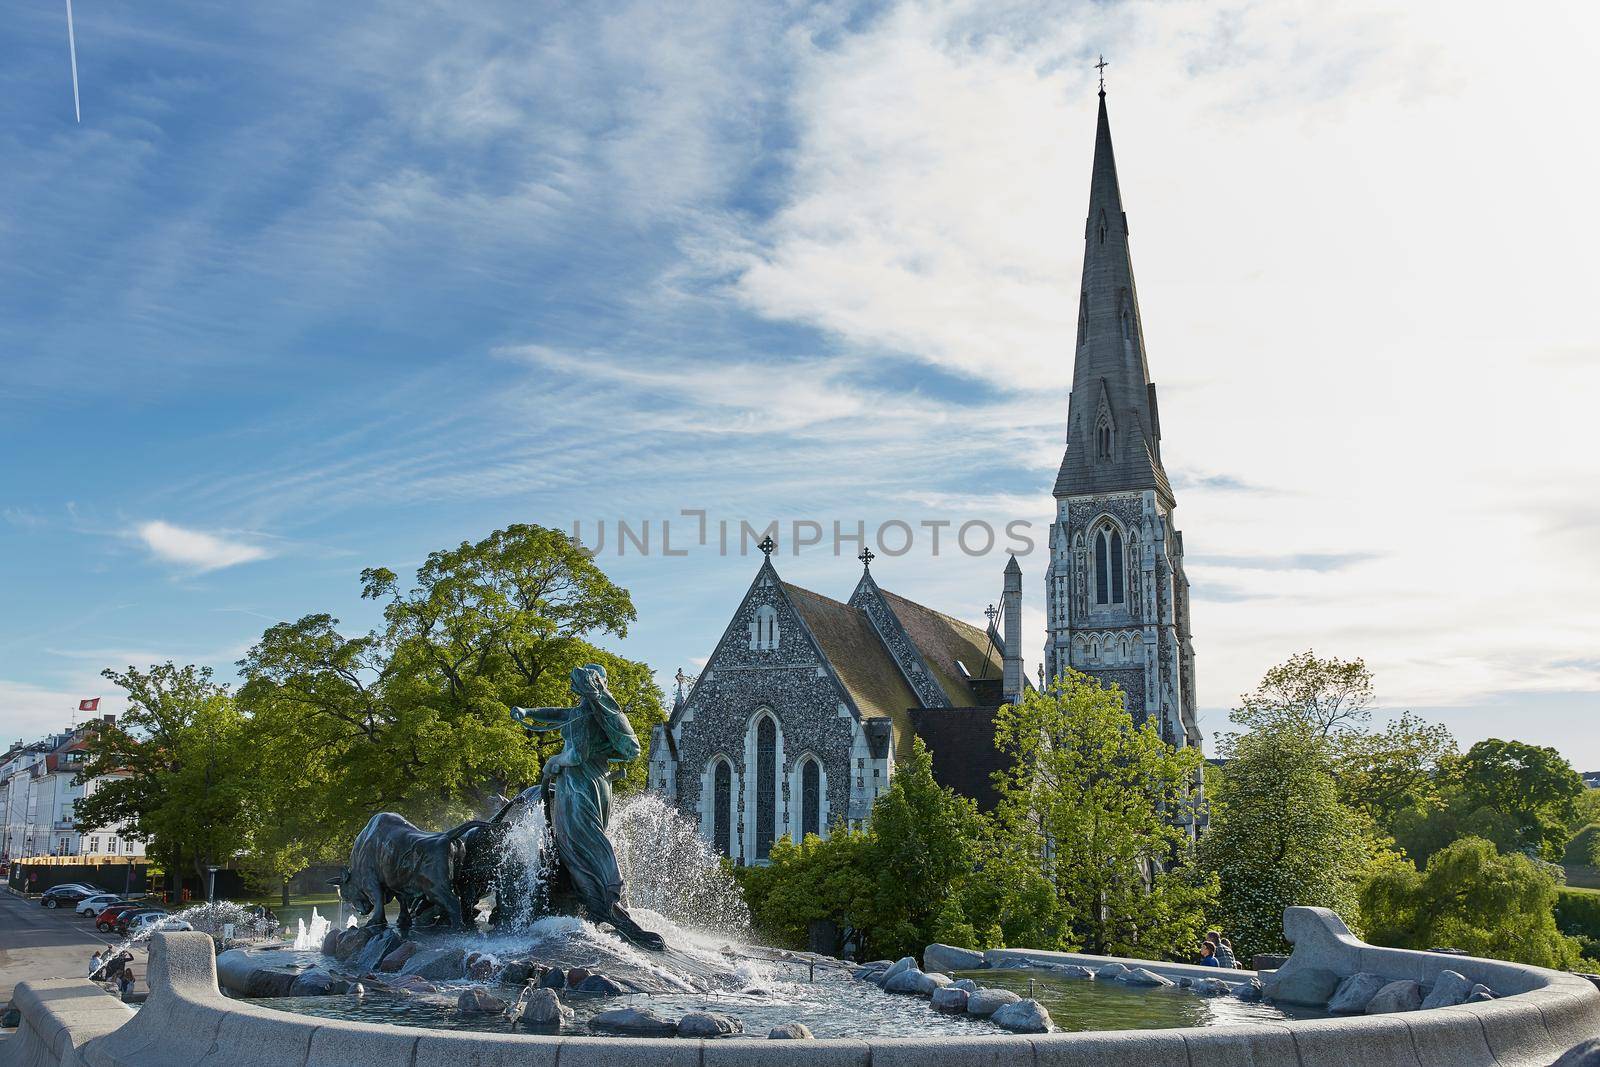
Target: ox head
[350,892]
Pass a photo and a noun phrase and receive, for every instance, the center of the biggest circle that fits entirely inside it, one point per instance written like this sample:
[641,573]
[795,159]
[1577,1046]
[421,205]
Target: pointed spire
[1113,436]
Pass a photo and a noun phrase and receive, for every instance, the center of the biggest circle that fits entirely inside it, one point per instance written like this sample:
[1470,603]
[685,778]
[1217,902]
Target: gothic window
[810,799]
[1102,225]
[1116,567]
[1125,313]
[1083,316]
[722,798]
[764,629]
[766,785]
[1102,569]
[1102,438]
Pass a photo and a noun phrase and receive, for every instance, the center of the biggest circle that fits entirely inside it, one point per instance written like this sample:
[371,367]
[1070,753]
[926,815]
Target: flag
[89,705]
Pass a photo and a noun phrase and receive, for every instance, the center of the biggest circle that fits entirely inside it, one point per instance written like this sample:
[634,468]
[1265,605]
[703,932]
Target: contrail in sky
[72,47]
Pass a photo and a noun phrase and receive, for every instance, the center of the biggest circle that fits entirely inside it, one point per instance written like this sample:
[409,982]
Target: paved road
[37,942]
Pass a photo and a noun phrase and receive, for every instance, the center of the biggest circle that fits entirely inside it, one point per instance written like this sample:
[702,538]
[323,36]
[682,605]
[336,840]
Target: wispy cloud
[1298,561]
[197,550]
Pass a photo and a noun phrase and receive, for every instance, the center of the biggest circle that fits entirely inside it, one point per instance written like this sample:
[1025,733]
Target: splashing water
[522,875]
[671,870]
[311,937]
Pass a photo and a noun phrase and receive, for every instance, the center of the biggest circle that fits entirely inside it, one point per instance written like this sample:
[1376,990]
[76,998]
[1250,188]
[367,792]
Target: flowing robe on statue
[577,784]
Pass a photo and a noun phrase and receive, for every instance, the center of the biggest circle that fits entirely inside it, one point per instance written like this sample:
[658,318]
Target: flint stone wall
[187,1021]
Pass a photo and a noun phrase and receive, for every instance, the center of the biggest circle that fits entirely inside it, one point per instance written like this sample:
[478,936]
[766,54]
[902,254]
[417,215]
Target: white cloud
[196,549]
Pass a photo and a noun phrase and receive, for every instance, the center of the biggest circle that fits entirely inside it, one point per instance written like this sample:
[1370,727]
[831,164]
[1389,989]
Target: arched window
[721,817]
[1102,569]
[1083,316]
[810,799]
[1116,567]
[766,785]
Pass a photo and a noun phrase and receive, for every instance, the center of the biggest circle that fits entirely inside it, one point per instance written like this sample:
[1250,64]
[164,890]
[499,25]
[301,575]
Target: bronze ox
[393,860]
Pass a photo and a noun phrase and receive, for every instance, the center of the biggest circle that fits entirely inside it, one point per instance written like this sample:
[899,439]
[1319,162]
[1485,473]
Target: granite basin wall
[187,1021]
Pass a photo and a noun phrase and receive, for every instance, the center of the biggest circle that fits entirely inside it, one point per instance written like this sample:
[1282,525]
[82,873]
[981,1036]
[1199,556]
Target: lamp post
[211,884]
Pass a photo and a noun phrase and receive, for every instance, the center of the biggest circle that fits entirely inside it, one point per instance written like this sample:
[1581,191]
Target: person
[1208,955]
[95,963]
[1224,954]
[125,983]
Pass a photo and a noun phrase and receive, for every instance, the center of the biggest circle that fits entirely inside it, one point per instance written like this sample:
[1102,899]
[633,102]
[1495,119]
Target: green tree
[176,770]
[1473,898]
[828,880]
[413,717]
[1100,805]
[1529,789]
[923,844]
[1322,696]
[1280,835]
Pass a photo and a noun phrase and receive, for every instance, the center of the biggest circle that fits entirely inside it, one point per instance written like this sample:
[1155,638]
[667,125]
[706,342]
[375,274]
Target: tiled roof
[858,657]
[943,640]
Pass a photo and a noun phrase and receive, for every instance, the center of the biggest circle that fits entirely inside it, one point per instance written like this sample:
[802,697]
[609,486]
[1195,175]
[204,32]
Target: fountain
[307,937]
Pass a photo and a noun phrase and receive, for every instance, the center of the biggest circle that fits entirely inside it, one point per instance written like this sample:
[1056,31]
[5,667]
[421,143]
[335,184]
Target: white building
[39,795]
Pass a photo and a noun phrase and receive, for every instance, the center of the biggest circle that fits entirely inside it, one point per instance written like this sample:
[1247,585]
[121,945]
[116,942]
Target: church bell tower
[1117,600]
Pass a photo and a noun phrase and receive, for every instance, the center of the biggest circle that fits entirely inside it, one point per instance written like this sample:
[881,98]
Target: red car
[107,920]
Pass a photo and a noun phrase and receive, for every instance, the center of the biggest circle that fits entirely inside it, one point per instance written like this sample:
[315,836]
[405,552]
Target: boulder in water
[939,957]
[988,1001]
[330,941]
[708,1024]
[541,1009]
[1354,992]
[904,963]
[1023,1017]
[479,1001]
[437,963]
[1071,970]
[642,1021]
[317,983]
[1144,976]
[397,957]
[791,1032]
[576,975]
[1310,986]
[372,954]
[1449,989]
[1480,993]
[1111,971]
[950,1000]
[964,983]
[554,978]
[1404,995]
[480,965]
[599,983]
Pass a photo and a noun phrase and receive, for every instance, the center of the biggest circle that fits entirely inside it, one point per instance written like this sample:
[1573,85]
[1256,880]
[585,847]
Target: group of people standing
[112,969]
[1217,951]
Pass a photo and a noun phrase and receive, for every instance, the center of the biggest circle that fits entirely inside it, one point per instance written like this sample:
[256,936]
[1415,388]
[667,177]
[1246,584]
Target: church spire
[1113,436]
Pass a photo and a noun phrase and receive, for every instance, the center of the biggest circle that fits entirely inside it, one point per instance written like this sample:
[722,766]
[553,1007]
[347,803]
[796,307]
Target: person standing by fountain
[576,789]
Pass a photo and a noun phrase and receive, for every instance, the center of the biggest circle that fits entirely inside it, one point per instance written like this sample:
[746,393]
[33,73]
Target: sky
[312,289]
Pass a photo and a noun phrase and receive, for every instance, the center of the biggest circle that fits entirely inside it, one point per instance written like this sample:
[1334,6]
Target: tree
[1472,898]
[1531,787]
[413,717]
[1322,696]
[1280,835]
[1098,803]
[176,770]
[818,879]
[923,845]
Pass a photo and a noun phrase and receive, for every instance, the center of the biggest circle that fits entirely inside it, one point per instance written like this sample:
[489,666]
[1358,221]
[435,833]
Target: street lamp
[211,884]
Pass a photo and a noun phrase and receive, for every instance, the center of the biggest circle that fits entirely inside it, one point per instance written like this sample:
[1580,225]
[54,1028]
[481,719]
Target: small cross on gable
[767,545]
[866,557]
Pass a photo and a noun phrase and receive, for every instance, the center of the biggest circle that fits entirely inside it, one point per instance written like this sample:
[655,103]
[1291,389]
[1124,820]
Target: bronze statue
[576,793]
[393,860]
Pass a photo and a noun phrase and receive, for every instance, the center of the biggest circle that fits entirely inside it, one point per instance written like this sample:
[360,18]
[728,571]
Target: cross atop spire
[767,545]
[866,557]
[1101,67]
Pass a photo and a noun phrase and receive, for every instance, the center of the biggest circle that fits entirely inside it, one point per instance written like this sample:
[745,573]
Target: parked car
[127,918]
[58,895]
[94,905]
[107,919]
[151,921]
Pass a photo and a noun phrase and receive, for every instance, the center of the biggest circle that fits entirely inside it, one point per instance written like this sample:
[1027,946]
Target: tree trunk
[285,903]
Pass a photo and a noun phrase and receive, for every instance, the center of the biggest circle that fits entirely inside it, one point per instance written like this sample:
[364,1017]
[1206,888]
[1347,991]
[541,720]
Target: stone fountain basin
[188,1021]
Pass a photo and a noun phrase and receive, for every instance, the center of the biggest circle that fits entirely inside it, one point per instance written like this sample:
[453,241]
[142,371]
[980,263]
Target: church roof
[857,655]
[1111,375]
[943,641]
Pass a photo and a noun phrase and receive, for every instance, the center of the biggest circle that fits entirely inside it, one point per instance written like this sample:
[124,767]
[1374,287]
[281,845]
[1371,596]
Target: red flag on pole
[89,705]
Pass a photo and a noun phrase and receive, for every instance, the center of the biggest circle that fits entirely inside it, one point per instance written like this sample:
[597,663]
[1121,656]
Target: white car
[146,925]
[92,906]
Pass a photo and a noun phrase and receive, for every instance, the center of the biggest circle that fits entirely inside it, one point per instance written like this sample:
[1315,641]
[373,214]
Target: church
[797,721]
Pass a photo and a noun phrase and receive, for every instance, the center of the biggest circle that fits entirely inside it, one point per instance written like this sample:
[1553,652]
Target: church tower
[1117,601]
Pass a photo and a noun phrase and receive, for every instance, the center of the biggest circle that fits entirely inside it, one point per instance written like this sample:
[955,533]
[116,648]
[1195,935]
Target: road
[37,942]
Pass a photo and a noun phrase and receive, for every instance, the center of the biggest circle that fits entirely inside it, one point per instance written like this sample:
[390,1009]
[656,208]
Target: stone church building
[797,721]
[800,715]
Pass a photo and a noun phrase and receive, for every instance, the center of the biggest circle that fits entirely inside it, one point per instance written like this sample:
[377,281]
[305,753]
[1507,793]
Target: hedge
[1578,912]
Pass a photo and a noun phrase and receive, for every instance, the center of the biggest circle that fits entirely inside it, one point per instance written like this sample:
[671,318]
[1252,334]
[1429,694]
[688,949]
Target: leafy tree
[1280,835]
[178,768]
[413,717]
[1307,692]
[1473,898]
[1098,802]
[1531,787]
[828,880]
[923,845]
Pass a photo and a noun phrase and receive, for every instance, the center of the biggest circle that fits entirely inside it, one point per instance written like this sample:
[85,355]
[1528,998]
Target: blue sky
[312,289]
